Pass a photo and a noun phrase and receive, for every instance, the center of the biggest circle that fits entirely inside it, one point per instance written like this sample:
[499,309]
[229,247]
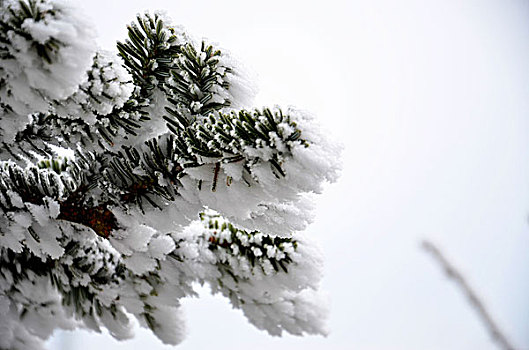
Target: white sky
[431,101]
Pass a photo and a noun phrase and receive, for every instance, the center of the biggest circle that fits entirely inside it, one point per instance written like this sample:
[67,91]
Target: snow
[31,81]
[59,274]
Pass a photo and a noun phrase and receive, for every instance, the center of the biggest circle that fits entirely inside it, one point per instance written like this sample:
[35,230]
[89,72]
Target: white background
[431,101]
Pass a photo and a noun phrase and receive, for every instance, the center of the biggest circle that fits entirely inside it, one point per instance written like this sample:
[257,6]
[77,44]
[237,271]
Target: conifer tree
[171,179]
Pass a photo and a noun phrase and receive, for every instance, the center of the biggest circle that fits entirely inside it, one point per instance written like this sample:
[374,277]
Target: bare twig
[493,329]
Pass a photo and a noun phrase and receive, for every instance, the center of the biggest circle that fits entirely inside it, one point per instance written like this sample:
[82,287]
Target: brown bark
[100,219]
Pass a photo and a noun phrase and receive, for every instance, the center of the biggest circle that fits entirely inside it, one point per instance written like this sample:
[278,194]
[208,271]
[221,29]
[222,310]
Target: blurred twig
[473,299]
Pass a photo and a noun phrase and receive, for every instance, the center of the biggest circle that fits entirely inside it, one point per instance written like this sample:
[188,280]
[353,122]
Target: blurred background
[431,102]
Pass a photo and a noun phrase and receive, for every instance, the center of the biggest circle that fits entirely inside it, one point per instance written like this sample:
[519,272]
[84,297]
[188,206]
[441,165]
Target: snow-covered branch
[158,135]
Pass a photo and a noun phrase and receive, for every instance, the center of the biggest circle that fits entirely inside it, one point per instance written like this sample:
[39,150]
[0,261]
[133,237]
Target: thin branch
[493,329]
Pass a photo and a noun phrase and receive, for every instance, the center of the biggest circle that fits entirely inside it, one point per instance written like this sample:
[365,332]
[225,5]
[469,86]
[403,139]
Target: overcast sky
[431,101]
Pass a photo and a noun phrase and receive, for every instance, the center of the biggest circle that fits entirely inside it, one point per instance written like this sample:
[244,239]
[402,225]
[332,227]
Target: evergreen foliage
[170,179]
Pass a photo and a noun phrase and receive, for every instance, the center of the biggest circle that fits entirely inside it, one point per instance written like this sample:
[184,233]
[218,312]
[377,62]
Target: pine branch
[149,51]
[248,136]
[101,233]
[52,180]
[198,82]
[268,277]
[268,253]
[30,9]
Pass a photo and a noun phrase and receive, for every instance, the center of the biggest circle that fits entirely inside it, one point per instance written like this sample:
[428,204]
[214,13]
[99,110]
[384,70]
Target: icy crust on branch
[262,162]
[56,274]
[108,87]
[90,285]
[206,79]
[74,290]
[105,109]
[30,208]
[105,113]
[265,163]
[35,315]
[143,273]
[45,50]
[273,280]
